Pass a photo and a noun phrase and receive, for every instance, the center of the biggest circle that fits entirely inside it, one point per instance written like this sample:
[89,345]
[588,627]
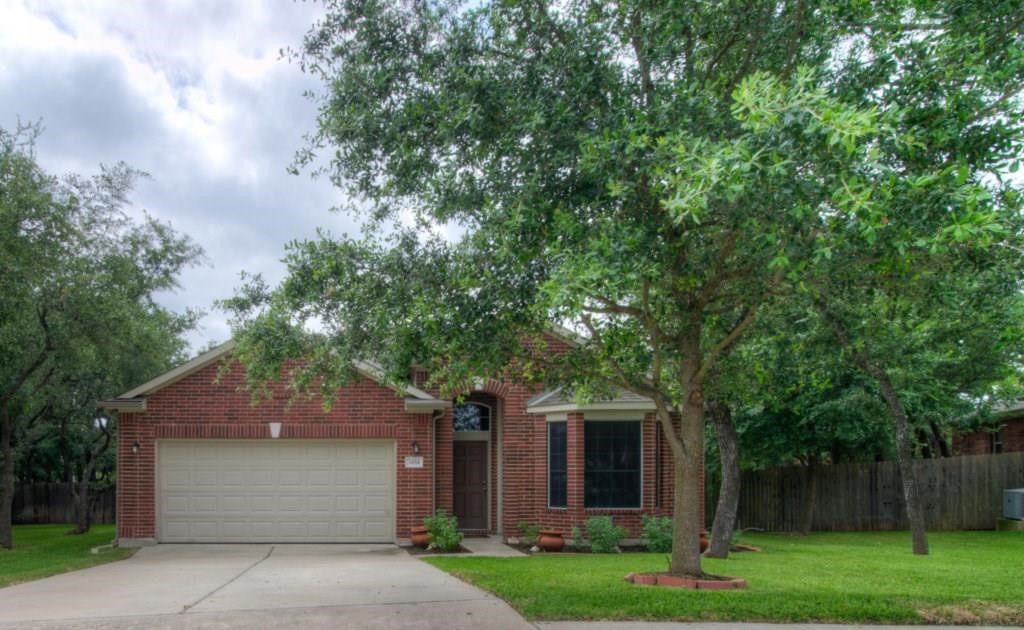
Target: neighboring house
[198,462]
[1005,434]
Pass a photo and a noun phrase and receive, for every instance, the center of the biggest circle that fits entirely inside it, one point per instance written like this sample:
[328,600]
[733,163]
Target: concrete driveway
[256,586]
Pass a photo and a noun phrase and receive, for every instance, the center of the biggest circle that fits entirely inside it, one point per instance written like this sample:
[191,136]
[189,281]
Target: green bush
[658,532]
[444,532]
[530,532]
[604,535]
[577,538]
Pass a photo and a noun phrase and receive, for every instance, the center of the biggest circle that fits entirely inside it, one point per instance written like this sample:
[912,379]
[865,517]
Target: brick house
[197,462]
[1005,435]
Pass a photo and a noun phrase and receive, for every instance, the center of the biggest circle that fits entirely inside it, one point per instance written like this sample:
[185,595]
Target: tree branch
[643,63]
[744,322]
[633,385]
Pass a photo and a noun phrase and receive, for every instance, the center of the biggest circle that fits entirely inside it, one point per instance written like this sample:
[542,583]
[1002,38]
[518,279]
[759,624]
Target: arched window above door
[471,416]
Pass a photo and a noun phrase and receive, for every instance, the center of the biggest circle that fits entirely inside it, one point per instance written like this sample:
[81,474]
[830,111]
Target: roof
[134,400]
[557,400]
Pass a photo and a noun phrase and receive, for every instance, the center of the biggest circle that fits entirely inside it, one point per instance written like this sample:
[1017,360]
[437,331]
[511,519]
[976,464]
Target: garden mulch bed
[528,549]
[704,583]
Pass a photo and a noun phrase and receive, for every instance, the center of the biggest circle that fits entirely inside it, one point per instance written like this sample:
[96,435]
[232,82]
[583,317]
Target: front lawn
[44,550]
[970,577]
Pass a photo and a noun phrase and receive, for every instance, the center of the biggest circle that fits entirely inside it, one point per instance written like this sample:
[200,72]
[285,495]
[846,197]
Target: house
[1004,435]
[198,462]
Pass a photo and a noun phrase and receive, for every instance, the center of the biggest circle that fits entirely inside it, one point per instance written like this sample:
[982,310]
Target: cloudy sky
[193,92]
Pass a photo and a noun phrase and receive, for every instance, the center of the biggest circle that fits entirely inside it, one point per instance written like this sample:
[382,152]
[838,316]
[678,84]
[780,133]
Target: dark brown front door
[470,463]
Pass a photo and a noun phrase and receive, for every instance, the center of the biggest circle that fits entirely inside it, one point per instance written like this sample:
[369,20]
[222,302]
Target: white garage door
[275,491]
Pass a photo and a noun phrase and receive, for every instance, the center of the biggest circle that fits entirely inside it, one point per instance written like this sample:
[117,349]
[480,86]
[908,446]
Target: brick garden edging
[663,579]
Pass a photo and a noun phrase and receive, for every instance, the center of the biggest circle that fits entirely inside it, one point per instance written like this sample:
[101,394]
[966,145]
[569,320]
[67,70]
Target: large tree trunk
[729,494]
[810,495]
[904,452]
[689,463]
[905,460]
[81,495]
[6,479]
[83,520]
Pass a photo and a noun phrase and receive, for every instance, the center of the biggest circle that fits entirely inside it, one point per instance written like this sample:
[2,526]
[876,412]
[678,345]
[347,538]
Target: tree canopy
[78,316]
[649,174]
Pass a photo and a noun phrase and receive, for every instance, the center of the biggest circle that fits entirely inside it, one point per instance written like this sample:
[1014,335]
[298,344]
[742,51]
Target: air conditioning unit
[1013,504]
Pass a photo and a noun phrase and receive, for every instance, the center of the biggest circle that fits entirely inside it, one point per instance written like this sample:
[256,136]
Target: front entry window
[471,417]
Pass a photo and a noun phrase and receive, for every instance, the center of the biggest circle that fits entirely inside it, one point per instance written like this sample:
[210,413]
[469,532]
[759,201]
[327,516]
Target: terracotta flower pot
[704,542]
[550,540]
[419,537]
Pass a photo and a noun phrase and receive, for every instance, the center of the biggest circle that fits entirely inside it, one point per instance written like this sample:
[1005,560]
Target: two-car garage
[275,491]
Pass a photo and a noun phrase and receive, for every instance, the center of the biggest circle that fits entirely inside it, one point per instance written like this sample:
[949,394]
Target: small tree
[78,275]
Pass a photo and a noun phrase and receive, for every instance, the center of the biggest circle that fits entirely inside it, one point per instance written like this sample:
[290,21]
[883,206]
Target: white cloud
[192,92]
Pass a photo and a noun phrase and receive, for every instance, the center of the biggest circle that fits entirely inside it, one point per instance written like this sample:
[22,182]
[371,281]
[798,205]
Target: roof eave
[416,405]
[180,372]
[597,406]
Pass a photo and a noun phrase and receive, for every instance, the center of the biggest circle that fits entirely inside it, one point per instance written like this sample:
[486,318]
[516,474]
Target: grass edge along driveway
[44,550]
[970,577]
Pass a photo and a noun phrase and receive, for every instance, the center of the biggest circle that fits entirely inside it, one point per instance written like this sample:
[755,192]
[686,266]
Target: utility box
[1013,503]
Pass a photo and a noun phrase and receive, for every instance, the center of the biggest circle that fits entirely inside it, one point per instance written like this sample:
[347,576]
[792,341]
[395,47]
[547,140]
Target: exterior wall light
[415,447]
[135,448]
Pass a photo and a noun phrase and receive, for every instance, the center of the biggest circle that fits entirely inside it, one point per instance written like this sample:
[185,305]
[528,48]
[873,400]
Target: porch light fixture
[415,447]
[135,448]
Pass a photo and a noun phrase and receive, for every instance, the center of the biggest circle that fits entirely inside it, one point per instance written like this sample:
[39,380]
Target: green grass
[44,550]
[970,577]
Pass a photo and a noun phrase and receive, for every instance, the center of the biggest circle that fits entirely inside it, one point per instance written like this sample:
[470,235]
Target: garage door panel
[209,504]
[319,477]
[320,503]
[351,478]
[377,478]
[235,529]
[281,491]
[262,503]
[235,503]
[377,505]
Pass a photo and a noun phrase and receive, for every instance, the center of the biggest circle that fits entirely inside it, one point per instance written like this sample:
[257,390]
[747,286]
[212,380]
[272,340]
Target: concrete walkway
[256,586]
[664,625]
[490,546]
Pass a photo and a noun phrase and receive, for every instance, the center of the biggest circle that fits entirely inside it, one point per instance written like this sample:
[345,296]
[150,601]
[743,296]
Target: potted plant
[550,540]
[419,536]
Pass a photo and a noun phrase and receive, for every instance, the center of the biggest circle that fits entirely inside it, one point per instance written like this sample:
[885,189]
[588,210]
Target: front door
[470,463]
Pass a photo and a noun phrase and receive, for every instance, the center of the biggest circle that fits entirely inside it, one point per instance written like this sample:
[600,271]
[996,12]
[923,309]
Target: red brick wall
[197,407]
[980,442]
[537,510]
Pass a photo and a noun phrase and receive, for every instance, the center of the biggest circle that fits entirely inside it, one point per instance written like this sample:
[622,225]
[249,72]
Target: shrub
[530,532]
[604,535]
[444,531]
[658,532]
[577,538]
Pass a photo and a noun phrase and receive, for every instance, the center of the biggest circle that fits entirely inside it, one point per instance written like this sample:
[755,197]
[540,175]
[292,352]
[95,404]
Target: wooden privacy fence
[42,503]
[957,493]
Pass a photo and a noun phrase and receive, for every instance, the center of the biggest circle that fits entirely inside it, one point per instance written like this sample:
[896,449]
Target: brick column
[574,468]
[443,479]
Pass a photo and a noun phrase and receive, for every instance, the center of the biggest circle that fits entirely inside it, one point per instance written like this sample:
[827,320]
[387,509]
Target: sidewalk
[668,625]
